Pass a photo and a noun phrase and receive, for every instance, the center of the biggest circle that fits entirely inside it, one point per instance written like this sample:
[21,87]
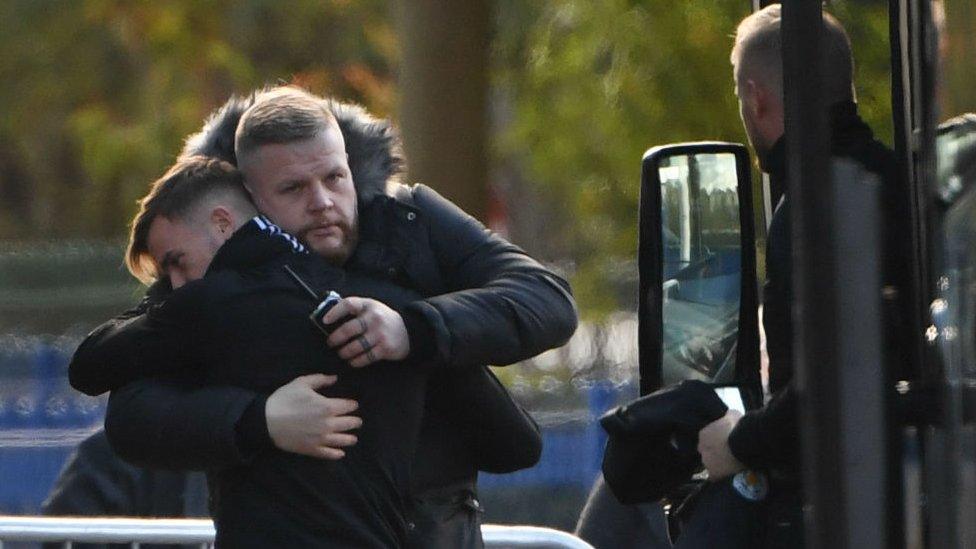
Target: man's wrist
[741,444]
[251,431]
[419,333]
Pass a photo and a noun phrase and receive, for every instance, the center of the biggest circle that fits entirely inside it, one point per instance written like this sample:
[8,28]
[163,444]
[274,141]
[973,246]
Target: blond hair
[281,115]
[758,53]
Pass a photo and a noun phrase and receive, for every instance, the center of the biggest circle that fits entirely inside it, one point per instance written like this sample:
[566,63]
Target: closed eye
[170,260]
[290,187]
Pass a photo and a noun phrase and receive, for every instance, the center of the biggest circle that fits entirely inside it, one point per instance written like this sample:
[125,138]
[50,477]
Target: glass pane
[956,156]
[953,327]
[702,266]
[953,312]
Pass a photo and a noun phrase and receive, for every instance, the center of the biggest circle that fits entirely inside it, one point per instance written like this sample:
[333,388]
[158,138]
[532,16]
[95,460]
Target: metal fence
[69,530]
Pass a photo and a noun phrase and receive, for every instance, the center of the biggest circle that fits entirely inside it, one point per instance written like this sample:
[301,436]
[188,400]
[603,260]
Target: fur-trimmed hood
[373,145]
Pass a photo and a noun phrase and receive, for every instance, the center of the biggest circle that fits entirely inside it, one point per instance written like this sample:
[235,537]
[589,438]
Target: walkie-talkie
[324,306]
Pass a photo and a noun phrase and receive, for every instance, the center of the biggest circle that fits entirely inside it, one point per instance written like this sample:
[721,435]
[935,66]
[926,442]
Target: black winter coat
[652,443]
[485,302]
[246,324]
[769,437]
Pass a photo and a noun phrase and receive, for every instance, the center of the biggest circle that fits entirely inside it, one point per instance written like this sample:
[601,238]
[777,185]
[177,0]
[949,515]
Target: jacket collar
[383,242]
[255,243]
[847,129]
[260,240]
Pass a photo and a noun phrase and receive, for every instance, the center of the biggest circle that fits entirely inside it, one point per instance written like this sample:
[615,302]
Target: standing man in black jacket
[768,438]
[485,301]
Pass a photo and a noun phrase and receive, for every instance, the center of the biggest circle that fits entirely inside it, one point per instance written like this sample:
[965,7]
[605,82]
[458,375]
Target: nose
[176,279]
[321,198]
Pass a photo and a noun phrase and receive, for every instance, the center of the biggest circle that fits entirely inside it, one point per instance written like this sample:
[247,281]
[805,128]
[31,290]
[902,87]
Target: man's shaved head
[758,54]
[285,114]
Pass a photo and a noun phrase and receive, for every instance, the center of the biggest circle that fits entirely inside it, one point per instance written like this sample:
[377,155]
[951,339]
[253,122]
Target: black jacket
[652,446]
[769,437]
[96,483]
[485,302]
[246,324]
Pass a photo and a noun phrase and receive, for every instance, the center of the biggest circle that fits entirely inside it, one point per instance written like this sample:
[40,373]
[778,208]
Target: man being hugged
[481,301]
[238,316]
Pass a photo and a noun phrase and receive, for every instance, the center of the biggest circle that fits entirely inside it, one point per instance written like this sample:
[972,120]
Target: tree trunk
[443,82]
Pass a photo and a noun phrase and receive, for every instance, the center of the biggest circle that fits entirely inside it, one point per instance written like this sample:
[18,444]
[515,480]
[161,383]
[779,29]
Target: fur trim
[375,151]
[373,145]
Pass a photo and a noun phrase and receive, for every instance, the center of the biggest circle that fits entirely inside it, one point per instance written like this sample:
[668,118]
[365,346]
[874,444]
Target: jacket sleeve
[158,414]
[504,436]
[502,307]
[769,437]
[169,425]
[91,370]
[149,340]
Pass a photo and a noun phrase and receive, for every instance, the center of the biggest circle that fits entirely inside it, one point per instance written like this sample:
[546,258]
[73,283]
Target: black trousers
[446,518]
[717,517]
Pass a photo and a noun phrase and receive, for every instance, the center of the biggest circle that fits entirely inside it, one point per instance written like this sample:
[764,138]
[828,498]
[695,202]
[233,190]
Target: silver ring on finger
[367,348]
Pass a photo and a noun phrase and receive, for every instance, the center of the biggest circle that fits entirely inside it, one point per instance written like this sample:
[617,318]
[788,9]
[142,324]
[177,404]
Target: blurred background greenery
[99,94]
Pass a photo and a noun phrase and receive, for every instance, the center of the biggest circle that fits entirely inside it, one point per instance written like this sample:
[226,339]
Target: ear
[755,98]
[223,221]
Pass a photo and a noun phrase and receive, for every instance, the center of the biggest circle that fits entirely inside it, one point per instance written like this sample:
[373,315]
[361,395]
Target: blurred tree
[99,94]
[957,49]
[444,97]
[592,85]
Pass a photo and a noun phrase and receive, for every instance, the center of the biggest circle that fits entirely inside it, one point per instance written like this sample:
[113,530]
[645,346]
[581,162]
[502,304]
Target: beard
[335,242]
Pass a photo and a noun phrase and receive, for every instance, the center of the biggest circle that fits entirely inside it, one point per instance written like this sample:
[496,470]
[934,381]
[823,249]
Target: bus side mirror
[697,264]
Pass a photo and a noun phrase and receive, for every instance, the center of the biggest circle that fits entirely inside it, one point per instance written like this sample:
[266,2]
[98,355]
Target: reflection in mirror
[701,239]
[954,312]
[956,156]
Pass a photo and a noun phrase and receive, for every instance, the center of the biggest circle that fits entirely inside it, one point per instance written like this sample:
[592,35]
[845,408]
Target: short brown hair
[282,115]
[175,196]
[759,48]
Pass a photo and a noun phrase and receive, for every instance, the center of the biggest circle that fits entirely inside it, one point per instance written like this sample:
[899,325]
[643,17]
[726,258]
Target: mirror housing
[697,264]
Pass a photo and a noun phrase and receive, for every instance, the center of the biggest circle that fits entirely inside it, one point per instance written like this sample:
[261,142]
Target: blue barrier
[42,419]
[35,392]
[27,476]
[572,453]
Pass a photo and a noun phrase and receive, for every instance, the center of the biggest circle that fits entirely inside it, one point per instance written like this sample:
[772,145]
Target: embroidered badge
[751,485]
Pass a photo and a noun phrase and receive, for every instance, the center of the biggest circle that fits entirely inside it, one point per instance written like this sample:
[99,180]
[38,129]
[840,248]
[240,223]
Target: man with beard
[768,438]
[484,301]
[238,316]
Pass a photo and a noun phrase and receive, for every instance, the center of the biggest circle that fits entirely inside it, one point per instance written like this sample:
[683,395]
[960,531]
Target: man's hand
[372,332]
[713,445]
[302,421]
